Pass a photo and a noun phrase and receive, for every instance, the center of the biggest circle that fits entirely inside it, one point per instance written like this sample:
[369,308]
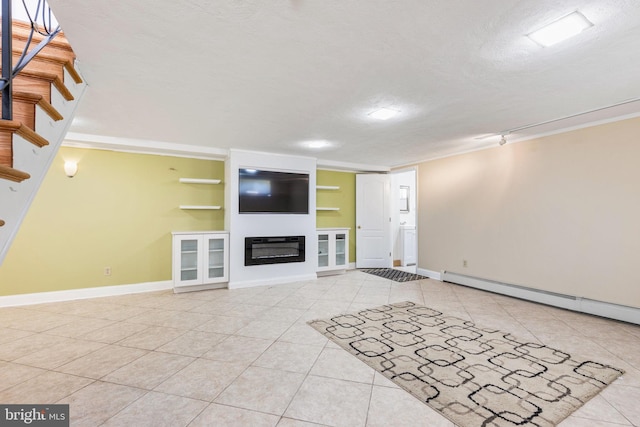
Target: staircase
[45,96]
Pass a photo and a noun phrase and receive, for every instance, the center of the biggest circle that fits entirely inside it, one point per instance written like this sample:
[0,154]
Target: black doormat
[395,275]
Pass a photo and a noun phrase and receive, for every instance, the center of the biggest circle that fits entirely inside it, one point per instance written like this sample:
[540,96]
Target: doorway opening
[404,219]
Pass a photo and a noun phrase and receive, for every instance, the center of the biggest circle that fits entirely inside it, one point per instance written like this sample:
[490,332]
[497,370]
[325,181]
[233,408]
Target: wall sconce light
[70,168]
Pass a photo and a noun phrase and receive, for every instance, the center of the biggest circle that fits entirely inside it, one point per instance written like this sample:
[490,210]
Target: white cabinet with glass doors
[200,260]
[333,250]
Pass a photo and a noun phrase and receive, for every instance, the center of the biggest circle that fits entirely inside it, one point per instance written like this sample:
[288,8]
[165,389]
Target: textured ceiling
[267,75]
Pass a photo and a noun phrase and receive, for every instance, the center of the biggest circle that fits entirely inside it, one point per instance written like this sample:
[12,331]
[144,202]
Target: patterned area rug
[474,376]
[395,275]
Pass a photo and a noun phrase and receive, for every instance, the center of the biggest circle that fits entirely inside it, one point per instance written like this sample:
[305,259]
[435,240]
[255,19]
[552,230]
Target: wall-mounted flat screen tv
[273,192]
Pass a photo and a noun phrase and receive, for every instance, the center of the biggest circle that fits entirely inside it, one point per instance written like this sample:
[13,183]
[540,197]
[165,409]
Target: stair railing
[7,61]
[42,22]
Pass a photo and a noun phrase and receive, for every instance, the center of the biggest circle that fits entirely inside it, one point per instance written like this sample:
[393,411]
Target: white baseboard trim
[569,302]
[429,273]
[331,273]
[84,293]
[350,266]
[271,282]
[196,288]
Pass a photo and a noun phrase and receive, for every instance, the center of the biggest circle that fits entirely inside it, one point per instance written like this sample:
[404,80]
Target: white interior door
[373,221]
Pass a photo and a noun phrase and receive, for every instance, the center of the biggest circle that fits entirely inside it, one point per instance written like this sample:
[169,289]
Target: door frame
[395,214]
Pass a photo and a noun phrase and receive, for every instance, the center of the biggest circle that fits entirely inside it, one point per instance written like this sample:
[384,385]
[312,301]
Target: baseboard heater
[569,302]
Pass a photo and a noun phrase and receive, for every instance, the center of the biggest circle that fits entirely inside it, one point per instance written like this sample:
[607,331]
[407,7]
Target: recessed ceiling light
[562,29]
[383,113]
[317,144]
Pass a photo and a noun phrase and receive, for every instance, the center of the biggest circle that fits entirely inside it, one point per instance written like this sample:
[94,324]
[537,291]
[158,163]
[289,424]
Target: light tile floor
[247,357]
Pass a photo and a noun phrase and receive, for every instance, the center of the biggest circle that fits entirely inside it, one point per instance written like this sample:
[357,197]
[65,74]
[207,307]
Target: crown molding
[161,148]
[332,165]
[142,146]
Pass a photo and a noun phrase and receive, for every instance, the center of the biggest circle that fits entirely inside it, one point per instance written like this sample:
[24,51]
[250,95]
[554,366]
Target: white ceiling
[268,75]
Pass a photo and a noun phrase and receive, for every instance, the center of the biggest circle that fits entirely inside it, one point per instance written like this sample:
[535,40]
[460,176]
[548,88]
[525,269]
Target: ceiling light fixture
[383,113]
[562,29]
[318,144]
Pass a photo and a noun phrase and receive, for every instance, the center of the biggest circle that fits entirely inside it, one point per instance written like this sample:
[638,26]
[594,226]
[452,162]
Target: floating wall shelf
[327,187]
[199,181]
[200,207]
[327,209]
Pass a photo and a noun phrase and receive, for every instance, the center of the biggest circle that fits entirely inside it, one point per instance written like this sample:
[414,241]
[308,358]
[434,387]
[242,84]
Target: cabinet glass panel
[215,267]
[189,259]
[216,272]
[323,250]
[340,249]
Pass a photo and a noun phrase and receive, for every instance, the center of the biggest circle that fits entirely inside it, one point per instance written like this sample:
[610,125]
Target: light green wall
[344,198]
[118,211]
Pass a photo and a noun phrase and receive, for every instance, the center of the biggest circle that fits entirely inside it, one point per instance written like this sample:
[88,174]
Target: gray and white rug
[472,375]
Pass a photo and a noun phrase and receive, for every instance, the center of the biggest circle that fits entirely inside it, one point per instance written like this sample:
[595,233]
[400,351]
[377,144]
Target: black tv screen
[263,191]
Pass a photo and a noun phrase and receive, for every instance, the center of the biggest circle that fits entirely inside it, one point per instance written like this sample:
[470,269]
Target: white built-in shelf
[199,181]
[327,187]
[201,207]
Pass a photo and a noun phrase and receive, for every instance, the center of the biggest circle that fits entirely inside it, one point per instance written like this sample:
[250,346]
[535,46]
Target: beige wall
[560,213]
[118,212]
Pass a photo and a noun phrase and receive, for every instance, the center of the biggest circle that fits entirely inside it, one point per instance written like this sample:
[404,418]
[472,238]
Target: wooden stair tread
[21,30]
[32,84]
[62,53]
[39,100]
[23,131]
[51,78]
[53,59]
[40,64]
[13,174]
[36,99]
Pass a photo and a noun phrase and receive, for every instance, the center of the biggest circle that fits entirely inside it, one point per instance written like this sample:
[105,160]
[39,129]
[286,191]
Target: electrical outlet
[107,271]
[464,263]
